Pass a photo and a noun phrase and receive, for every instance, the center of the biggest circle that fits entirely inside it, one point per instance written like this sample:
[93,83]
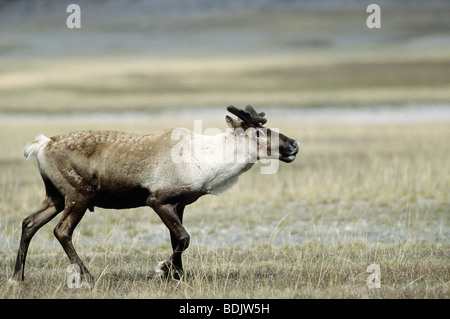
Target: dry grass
[310,270]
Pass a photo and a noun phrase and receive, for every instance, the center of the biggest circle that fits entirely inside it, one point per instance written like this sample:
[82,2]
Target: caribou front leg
[172,216]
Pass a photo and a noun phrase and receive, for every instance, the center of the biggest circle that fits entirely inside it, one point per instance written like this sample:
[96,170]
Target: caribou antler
[249,115]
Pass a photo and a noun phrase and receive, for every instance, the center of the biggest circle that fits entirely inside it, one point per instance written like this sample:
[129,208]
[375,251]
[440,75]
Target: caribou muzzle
[288,153]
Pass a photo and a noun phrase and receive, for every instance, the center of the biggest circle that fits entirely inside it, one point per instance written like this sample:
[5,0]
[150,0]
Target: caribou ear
[234,124]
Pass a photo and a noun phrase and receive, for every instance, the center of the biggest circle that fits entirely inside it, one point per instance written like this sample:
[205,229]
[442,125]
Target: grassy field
[357,195]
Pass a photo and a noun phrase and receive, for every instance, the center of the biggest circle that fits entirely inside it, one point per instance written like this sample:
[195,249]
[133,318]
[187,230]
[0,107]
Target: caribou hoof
[161,270]
[167,270]
[14,282]
[88,280]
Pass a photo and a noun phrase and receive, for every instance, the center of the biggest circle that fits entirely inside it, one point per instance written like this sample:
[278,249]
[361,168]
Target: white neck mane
[217,161]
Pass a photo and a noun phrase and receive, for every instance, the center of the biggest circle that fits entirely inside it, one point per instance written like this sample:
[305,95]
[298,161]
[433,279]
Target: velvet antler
[249,115]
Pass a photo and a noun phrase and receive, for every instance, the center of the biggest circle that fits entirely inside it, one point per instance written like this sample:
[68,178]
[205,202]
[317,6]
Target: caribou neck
[224,159]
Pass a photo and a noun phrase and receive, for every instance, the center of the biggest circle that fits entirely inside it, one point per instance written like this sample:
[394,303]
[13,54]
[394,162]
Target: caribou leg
[177,259]
[73,212]
[172,216]
[30,225]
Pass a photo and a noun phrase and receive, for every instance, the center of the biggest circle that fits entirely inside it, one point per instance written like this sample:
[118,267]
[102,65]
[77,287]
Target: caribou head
[269,143]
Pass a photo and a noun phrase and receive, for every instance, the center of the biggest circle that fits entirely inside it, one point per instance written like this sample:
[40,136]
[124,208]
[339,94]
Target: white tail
[33,147]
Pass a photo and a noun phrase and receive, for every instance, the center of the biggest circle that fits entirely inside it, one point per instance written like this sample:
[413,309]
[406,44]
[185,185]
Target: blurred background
[150,56]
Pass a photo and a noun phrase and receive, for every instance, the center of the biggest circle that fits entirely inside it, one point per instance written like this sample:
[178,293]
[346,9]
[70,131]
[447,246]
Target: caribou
[109,169]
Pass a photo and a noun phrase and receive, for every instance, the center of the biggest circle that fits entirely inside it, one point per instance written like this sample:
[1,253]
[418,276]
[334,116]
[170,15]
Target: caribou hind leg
[73,212]
[47,211]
